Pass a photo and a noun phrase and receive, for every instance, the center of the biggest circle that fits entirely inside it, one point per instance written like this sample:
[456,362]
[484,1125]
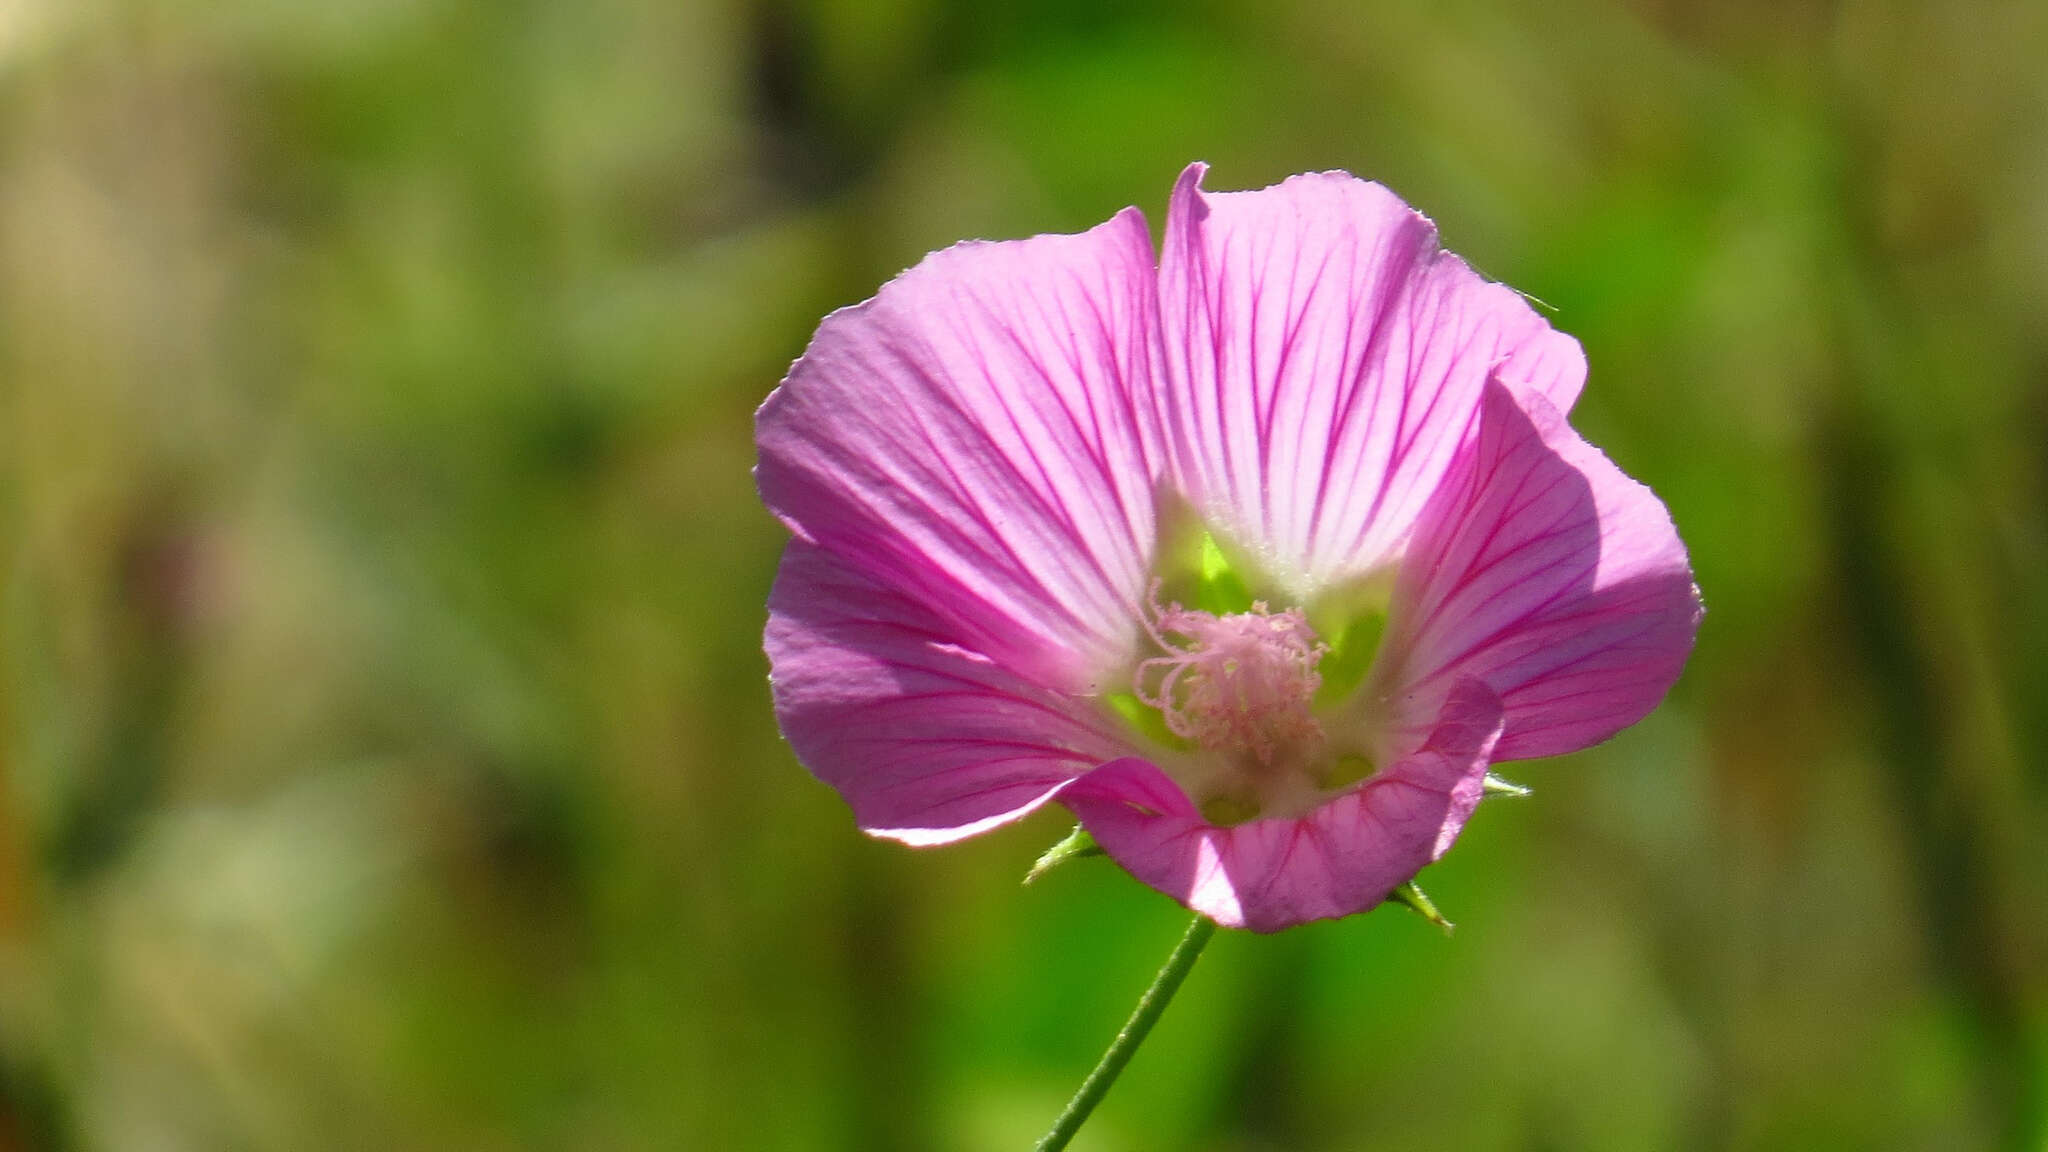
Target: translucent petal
[969,438]
[1543,570]
[1324,362]
[926,740]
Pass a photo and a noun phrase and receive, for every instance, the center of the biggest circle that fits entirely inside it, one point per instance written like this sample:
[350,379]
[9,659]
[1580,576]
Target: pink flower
[1255,558]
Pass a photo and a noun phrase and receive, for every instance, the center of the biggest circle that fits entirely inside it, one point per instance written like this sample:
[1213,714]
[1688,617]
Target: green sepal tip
[1495,786]
[1414,897]
[1077,844]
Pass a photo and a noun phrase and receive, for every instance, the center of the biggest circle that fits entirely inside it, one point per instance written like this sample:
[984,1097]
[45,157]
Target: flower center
[1240,688]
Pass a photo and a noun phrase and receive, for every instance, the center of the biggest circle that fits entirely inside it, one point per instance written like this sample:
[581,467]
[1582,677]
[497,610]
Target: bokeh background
[385,752]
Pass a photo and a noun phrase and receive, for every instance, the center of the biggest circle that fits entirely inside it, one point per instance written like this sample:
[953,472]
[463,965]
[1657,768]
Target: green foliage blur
[385,751]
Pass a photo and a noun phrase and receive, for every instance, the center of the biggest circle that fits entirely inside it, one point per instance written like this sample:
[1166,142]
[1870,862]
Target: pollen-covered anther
[1241,684]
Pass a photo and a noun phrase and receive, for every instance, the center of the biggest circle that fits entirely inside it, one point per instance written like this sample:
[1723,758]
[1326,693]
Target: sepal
[1495,786]
[1412,895]
[1077,844]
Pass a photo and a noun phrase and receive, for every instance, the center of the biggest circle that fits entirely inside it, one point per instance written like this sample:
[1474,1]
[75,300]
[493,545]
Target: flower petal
[1324,361]
[1344,857]
[928,741]
[968,438]
[1543,570]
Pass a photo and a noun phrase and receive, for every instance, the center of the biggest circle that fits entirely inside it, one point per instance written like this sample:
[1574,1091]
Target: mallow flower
[1255,554]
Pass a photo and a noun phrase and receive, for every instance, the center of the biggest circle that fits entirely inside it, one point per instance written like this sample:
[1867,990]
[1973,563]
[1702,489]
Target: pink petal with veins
[970,437]
[1544,571]
[927,741]
[1324,360]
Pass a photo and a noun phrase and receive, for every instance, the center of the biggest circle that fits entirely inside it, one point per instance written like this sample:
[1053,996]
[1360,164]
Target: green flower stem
[1150,1007]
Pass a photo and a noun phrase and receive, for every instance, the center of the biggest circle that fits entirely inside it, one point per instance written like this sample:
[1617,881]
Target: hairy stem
[1150,1007]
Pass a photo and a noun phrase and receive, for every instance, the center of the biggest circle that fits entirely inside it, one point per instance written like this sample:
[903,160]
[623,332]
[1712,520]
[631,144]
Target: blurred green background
[385,753]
